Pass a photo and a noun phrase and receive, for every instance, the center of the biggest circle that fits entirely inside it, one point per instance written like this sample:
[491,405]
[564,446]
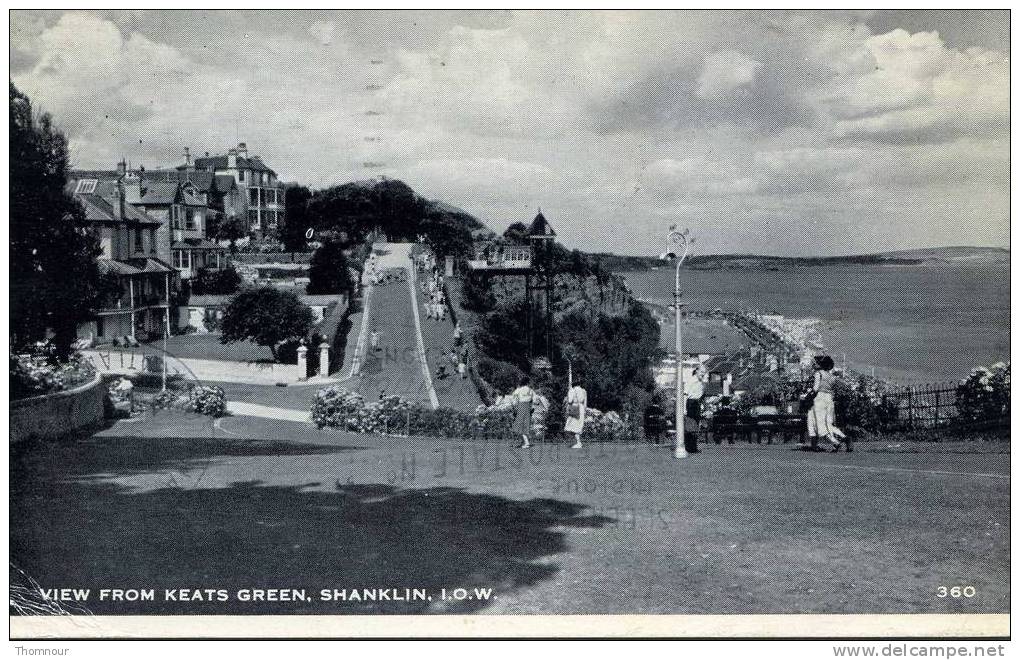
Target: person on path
[522,398]
[821,419]
[695,389]
[577,405]
[539,412]
[375,340]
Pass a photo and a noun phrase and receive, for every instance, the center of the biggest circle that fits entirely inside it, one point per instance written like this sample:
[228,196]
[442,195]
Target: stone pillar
[302,362]
[324,359]
[449,266]
[727,384]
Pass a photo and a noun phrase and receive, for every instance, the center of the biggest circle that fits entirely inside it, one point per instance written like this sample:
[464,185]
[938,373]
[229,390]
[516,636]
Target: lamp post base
[679,452]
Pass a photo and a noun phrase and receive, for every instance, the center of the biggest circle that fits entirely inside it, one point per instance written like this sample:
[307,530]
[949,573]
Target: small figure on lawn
[576,406]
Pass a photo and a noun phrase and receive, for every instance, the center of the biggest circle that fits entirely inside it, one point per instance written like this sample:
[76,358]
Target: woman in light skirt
[577,406]
[522,398]
[822,416]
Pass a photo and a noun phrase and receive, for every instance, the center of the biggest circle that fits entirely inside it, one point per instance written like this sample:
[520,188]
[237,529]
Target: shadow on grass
[72,529]
[61,462]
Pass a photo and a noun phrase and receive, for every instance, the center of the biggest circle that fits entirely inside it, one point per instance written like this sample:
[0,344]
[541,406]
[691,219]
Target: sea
[924,323]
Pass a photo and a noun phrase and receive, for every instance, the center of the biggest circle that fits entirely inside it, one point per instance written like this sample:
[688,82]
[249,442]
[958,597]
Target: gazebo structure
[530,261]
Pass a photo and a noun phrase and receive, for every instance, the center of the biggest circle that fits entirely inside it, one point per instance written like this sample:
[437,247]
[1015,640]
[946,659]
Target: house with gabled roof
[183,206]
[135,251]
[262,193]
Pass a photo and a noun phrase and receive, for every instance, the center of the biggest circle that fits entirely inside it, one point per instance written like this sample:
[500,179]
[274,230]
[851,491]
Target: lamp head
[668,257]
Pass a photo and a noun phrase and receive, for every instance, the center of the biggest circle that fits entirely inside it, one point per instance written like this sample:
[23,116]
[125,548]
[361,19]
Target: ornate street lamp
[677,244]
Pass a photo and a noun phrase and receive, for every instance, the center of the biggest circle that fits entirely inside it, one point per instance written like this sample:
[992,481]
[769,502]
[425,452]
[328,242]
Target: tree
[55,276]
[517,233]
[296,220]
[328,270]
[212,281]
[267,317]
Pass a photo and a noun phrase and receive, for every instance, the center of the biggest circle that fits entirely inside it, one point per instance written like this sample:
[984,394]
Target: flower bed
[35,375]
[335,407]
[201,399]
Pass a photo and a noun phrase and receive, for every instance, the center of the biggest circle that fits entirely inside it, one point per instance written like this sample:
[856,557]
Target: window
[253,196]
[86,186]
[176,216]
[271,218]
[139,242]
[192,220]
[100,327]
[253,219]
[240,176]
[152,240]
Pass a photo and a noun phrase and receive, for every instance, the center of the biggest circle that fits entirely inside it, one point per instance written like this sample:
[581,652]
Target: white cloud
[804,122]
[724,73]
[323,31]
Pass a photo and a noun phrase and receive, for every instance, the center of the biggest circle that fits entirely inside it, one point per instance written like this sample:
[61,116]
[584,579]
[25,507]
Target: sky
[787,133]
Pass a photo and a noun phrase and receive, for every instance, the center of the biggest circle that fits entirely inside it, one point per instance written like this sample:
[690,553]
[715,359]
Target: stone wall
[58,415]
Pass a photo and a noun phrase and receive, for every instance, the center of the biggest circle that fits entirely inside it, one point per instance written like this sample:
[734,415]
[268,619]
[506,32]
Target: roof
[196,244]
[203,180]
[243,163]
[99,204]
[116,267]
[540,227]
[168,191]
[159,192]
[209,299]
[321,300]
[149,265]
[224,182]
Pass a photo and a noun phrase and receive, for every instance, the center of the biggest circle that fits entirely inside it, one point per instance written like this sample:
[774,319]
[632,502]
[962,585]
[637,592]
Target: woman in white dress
[577,405]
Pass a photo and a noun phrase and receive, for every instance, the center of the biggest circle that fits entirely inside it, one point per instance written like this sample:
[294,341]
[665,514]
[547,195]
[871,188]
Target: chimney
[122,167]
[187,159]
[242,149]
[118,201]
[232,159]
[132,187]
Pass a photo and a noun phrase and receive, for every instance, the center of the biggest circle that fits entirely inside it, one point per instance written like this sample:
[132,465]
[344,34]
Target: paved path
[395,367]
[268,412]
[452,391]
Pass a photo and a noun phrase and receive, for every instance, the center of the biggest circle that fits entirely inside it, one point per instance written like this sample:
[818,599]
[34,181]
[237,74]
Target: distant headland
[915,257]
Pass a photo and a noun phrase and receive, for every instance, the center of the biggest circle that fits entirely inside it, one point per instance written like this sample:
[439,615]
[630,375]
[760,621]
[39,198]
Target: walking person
[522,398]
[577,406]
[695,389]
[375,341]
[822,416]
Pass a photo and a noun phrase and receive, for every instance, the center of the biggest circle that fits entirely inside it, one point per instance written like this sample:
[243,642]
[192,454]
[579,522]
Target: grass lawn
[204,347]
[173,500]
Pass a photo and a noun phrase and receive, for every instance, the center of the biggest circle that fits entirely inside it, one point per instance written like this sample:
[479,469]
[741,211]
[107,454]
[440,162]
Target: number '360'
[956,592]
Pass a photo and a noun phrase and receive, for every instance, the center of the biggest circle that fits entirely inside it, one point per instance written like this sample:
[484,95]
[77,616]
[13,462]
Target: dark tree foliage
[225,228]
[503,335]
[612,355]
[517,233]
[212,281]
[328,271]
[296,219]
[266,316]
[352,211]
[477,295]
[55,279]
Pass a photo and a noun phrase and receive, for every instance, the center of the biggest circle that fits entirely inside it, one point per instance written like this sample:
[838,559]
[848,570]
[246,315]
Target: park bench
[760,427]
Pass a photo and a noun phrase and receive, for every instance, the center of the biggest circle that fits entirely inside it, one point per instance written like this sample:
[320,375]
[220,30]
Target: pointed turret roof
[540,227]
